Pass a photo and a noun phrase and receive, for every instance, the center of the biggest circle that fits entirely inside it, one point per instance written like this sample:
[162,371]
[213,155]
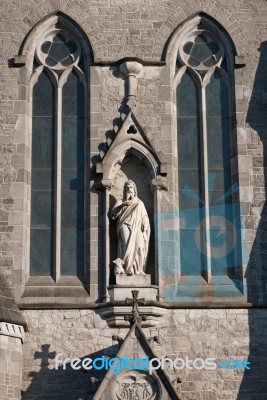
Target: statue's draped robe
[133,230]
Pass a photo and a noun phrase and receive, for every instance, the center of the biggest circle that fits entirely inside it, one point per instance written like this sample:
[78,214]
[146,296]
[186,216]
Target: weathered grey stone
[119,29]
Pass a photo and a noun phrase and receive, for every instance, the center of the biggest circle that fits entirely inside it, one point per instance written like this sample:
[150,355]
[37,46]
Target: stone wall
[118,29]
[217,333]
[10,367]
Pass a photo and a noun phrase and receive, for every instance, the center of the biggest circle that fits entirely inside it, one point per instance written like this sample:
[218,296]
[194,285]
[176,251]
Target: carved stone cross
[135,302]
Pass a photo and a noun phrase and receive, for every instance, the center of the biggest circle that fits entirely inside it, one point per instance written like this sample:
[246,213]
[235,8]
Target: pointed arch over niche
[201,57]
[57,56]
[131,156]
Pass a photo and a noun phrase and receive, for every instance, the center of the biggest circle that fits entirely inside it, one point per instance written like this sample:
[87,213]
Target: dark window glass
[59,51]
[189,172]
[218,132]
[42,189]
[221,230]
[203,50]
[41,258]
[72,201]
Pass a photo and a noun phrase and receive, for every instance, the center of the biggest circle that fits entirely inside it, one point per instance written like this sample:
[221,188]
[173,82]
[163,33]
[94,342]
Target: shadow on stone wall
[254,382]
[49,383]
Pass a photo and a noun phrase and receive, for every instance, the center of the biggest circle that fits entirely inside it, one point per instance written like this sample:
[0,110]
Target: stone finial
[131,70]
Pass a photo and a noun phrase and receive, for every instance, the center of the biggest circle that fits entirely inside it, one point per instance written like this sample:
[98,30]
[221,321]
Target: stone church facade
[173,96]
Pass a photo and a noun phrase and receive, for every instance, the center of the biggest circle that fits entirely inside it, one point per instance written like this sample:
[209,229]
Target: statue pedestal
[125,284]
[133,279]
[115,310]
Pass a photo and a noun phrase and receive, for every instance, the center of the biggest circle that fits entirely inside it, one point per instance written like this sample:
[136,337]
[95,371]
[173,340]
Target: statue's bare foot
[129,272]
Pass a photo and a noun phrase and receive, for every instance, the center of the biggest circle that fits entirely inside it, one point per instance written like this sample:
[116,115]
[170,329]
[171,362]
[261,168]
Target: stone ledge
[114,315]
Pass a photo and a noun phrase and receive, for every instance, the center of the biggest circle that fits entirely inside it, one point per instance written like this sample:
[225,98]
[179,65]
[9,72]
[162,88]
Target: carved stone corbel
[131,70]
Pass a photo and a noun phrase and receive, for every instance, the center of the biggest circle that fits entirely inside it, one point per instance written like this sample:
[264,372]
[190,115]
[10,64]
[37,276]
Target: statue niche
[129,246]
[142,257]
[133,232]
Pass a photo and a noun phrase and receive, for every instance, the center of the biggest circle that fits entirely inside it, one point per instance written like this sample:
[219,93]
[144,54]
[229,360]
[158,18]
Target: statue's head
[129,190]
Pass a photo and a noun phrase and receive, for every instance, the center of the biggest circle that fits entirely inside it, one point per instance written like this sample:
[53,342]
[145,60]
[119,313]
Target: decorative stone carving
[58,50]
[137,385]
[133,230]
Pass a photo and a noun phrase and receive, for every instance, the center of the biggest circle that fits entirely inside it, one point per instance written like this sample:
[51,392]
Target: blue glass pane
[188,143]
[67,61]
[190,195]
[72,202]
[220,180]
[221,197]
[209,63]
[73,97]
[222,250]
[72,252]
[41,256]
[59,38]
[42,179]
[43,97]
[200,39]
[218,143]
[43,142]
[72,211]
[42,195]
[191,255]
[72,180]
[191,211]
[58,51]
[194,63]
[73,143]
[72,47]
[217,97]
[186,202]
[188,47]
[187,97]
[42,209]
[50,62]
[200,52]
[45,47]
[190,177]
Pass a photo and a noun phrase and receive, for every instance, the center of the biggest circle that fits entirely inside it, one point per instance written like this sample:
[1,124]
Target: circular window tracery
[200,51]
[58,50]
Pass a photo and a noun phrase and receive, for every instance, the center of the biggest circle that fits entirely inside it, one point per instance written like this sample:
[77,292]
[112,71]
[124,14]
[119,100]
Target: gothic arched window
[208,242]
[58,157]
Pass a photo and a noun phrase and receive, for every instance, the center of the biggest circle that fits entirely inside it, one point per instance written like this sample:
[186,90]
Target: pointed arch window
[58,157]
[208,244]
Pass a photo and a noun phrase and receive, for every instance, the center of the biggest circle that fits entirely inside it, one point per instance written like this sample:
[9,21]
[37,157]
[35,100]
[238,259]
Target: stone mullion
[57,205]
[205,230]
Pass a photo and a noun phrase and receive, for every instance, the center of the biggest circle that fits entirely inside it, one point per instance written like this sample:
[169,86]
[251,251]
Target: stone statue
[133,230]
